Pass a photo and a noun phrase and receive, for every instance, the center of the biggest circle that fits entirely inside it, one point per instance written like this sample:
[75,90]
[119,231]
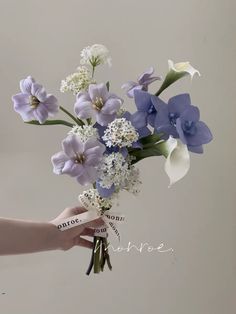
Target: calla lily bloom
[177,161]
[185,67]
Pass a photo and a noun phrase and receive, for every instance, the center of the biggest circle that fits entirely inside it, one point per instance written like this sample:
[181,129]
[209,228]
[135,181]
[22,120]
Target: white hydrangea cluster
[95,55]
[113,170]
[120,132]
[91,198]
[78,81]
[84,132]
[133,182]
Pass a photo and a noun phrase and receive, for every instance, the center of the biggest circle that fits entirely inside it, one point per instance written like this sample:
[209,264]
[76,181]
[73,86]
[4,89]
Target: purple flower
[193,132]
[78,159]
[33,102]
[165,121]
[181,120]
[144,80]
[97,103]
[105,192]
[147,105]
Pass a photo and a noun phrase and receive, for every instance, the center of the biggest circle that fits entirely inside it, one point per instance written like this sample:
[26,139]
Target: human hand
[65,240]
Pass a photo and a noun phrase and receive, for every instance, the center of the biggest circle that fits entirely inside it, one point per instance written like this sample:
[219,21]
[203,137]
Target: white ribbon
[110,220]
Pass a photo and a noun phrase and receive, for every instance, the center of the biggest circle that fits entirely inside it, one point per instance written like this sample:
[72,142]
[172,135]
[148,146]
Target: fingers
[76,210]
[94,223]
[83,242]
[88,232]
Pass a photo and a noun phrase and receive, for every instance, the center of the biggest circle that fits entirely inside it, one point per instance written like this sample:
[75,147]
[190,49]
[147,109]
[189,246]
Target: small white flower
[84,132]
[113,170]
[178,160]
[92,199]
[78,81]
[120,132]
[183,67]
[95,55]
[133,182]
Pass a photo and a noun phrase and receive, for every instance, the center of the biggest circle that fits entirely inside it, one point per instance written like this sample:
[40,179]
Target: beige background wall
[196,217]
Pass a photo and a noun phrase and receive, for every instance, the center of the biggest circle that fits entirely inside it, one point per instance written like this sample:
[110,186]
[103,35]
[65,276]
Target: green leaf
[171,77]
[150,139]
[51,122]
[144,153]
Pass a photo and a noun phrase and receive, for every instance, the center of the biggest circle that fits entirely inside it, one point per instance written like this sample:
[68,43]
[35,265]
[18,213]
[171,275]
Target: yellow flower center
[34,102]
[98,103]
[79,159]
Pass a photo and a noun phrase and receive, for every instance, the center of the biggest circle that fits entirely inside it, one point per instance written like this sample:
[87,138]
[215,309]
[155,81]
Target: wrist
[53,236]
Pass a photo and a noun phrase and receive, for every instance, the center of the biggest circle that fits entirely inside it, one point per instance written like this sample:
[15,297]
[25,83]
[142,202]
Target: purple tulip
[144,80]
[181,120]
[97,103]
[78,159]
[33,102]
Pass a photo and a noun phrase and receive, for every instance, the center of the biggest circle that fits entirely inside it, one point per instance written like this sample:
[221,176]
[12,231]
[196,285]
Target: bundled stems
[99,256]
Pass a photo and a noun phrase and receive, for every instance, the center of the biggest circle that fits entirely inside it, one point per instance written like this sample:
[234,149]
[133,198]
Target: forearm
[22,236]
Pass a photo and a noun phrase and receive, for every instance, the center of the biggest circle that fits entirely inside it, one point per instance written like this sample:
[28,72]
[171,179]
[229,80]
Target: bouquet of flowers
[105,141]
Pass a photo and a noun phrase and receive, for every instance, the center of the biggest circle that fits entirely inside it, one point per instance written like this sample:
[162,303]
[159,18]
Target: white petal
[178,160]
[183,67]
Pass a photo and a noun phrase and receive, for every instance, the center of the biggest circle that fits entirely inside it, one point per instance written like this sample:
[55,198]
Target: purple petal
[127,115]
[73,169]
[139,119]
[72,145]
[58,160]
[130,93]
[111,106]
[41,113]
[20,99]
[98,91]
[151,119]
[180,131]
[89,176]
[162,117]
[129,85]
[143,132]
[179,103]
[26,84]
[145,75]
[142,100]
[150,80]
[137,145]
[190,114]
[91,143]
[103,191]
[39,92]
[158,103]
[195,149]
[202,136]
[51,104]
[84,109]
[104,119]
[124,152]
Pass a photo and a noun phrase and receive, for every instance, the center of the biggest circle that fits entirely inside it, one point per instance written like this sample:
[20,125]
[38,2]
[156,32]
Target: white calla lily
[183,67]
[178,160]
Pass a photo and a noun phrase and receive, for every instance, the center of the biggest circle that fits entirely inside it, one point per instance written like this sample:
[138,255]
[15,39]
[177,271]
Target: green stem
[77,121]
[51,122]
[170,78]
[96,256]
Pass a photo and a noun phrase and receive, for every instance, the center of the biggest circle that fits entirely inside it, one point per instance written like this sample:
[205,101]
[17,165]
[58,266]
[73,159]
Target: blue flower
[144,80]
[147,105]
[193,132]
[180,119]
